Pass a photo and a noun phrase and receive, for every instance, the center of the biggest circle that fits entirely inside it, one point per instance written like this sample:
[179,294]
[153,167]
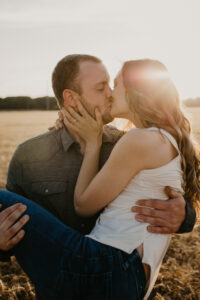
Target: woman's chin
[113,114]
[116,114]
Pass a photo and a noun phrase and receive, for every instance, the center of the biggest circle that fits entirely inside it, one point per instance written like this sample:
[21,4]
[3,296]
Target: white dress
[117,227]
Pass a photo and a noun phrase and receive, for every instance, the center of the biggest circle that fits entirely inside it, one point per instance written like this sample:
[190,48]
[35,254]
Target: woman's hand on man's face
[81,123]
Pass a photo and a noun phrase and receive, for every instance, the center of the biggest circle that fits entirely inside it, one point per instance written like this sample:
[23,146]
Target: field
[179,278]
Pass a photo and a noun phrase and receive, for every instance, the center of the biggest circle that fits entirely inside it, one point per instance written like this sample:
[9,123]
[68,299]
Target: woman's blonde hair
[153,97]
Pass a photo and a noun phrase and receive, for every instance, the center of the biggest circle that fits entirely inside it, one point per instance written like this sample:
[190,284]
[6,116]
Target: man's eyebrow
[102,82]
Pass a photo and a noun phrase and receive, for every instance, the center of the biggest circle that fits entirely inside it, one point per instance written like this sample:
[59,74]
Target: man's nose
[108,92]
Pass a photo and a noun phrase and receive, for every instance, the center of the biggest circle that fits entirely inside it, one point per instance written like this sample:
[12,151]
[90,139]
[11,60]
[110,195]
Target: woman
[119,259]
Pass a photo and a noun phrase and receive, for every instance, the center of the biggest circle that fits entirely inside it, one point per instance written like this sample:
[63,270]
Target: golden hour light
[99,150]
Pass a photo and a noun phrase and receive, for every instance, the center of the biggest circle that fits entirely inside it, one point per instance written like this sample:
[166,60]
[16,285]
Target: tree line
[28,103]
[50,103]
[194,102]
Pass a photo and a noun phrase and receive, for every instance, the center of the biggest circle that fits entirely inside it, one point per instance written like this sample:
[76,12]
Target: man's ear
[70,97]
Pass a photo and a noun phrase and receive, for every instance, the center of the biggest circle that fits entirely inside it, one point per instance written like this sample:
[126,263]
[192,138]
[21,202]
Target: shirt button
[46,191]
[82,225]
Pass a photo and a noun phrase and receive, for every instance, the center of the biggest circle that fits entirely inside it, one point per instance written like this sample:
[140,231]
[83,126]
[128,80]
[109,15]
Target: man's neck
[78,140]
[74,135]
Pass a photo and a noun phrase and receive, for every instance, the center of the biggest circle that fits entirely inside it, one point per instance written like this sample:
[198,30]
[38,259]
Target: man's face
[96,93]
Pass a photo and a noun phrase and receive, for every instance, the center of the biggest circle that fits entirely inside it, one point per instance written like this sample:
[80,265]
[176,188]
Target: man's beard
[106,116]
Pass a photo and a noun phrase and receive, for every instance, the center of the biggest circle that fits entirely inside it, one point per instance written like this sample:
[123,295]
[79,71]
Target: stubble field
[179,278]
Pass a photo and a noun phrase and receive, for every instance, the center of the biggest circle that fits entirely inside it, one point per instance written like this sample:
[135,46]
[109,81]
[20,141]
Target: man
[45,168]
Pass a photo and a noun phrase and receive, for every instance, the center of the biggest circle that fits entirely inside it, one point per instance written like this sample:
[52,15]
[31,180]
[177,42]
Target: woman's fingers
[58,124]
[98,117]
[74,114]
[82,110]
[71,125]
[81,116]
[60,116]
[88,128]
[71,119]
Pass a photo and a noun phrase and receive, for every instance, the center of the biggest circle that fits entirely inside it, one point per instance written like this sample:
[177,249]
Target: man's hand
[166,216]
[11,232]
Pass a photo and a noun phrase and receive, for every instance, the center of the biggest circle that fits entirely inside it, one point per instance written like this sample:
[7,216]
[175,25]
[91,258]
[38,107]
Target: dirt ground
[179,277]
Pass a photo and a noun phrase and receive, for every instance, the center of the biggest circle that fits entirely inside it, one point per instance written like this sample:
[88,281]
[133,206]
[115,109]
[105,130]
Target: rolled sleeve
[190,218]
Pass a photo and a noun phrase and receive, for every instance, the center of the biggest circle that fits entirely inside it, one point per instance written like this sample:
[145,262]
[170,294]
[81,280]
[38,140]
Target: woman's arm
[128,157]
[137,150]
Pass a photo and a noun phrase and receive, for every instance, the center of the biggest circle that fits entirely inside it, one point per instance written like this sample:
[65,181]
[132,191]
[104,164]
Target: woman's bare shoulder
[149,145]
[143,138]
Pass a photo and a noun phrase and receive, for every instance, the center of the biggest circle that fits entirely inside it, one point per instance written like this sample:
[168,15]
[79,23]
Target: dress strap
[168,135]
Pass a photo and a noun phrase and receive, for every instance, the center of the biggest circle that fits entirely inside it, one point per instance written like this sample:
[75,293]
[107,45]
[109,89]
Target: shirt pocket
[52,195]
[49,187]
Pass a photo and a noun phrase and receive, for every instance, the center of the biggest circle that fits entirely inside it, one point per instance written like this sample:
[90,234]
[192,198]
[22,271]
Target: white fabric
[117,227]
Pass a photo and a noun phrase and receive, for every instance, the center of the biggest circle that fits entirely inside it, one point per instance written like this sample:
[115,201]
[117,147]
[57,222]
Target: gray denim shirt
[45,169]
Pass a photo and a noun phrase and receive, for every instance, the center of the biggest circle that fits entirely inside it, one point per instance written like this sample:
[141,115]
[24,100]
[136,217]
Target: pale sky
[35,34]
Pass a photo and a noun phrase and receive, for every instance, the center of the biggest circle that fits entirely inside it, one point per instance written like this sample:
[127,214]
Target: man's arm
[190,218]
[14,178]
[176,215]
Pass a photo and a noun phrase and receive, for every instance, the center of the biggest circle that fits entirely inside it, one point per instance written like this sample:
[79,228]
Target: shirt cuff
[190,218]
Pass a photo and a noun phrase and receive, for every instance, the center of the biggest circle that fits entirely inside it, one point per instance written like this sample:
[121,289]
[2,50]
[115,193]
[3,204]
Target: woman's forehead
[118,76]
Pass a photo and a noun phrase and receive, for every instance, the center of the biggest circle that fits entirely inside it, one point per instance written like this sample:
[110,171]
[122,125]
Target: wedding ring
[74,120]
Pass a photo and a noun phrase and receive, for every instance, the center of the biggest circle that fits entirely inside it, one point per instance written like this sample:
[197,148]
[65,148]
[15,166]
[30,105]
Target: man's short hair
[66,72]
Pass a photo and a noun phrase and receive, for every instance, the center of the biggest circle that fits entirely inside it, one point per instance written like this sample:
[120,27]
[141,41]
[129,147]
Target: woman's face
[120,108]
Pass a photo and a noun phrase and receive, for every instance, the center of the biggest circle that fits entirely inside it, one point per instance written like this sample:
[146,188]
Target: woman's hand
[90,130]
[58,123]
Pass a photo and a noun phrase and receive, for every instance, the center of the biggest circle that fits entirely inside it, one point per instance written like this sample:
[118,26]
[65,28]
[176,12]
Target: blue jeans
[64,264]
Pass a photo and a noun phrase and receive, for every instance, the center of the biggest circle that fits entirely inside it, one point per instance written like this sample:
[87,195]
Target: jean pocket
[75,286]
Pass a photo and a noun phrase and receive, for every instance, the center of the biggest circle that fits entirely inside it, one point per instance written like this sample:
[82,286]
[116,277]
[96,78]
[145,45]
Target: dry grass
[179,277]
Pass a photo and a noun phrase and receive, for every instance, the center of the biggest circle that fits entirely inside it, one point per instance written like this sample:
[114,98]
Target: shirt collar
[67,140]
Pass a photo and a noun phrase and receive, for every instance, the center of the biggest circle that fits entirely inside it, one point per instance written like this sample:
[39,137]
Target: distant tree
[27,103]
[193,102]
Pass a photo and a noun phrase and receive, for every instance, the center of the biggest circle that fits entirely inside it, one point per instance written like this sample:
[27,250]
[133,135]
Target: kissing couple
[90,210]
